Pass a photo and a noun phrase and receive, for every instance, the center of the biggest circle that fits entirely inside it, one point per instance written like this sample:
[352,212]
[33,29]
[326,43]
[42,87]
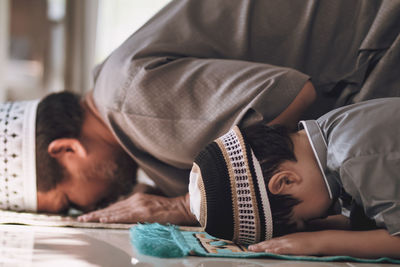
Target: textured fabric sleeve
[186,77]
[174,107]
[167,109]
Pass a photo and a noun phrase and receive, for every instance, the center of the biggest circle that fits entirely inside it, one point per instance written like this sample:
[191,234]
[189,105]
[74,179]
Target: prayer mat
[168,241]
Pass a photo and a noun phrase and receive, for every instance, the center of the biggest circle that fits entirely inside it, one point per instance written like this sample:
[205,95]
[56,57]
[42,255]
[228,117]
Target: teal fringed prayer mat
[167,241]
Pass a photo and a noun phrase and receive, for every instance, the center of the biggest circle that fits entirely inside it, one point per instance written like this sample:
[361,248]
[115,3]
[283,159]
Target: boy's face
[315,200]
[312,208]
[304,181]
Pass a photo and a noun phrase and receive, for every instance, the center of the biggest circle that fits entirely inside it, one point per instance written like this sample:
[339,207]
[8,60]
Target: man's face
[99,181]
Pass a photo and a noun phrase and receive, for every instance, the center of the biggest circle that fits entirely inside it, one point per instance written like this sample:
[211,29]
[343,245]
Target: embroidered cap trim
[247,230]
[264,199]
[245,204]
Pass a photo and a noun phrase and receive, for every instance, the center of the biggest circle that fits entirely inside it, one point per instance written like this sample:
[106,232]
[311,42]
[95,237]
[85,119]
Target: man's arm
[150,208]
[145,208]
[291,115]
[362,244]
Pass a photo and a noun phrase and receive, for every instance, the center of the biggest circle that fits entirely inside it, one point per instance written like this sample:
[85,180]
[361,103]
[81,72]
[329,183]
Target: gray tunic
[199,67]
[358,150]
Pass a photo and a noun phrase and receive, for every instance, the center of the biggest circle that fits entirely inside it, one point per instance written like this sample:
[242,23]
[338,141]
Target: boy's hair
[59,115]
[272,146]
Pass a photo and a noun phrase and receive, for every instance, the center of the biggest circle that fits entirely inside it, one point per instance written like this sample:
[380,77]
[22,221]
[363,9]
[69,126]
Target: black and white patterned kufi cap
[17,156]
[227,191]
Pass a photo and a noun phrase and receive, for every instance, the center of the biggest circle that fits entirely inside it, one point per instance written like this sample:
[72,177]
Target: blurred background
[52,45]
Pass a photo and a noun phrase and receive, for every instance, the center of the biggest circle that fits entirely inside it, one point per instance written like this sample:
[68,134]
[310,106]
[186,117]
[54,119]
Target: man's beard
[120,172]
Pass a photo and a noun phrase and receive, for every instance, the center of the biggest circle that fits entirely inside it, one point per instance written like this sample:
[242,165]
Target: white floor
[28,246]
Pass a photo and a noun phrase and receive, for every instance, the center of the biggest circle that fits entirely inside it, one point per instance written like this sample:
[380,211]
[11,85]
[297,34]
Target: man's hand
[362,244]
[144,208]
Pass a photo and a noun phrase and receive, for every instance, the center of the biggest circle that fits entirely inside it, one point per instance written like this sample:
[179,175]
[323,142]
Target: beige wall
[4,7]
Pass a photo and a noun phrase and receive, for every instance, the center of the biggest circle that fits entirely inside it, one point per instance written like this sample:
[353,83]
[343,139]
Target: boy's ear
[282,182]
[59,148]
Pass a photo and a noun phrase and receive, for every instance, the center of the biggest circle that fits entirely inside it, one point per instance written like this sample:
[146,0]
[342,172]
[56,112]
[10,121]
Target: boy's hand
[361,244]
[304,243]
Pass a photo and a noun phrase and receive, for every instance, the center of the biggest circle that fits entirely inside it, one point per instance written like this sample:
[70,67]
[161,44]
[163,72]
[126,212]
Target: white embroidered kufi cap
[17,156]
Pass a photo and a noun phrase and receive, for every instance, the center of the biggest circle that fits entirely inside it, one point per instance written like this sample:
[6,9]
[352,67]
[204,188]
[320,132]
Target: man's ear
[283,182]
[59,148]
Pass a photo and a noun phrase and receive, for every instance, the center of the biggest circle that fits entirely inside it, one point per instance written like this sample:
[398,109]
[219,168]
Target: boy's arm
[362,244]
[333,222]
